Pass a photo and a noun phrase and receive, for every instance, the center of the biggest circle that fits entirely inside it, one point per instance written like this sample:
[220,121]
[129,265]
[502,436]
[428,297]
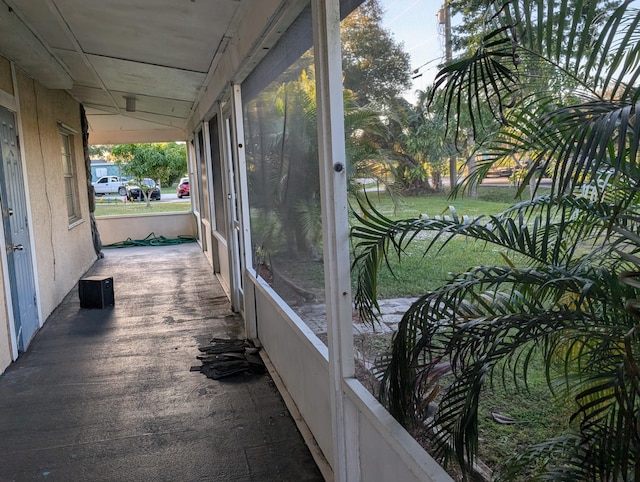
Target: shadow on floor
[108,394]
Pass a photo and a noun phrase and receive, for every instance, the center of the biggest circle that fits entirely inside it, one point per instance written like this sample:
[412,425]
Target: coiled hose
[151,240]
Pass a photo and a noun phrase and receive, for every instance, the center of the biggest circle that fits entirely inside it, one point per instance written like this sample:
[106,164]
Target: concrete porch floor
[107,395]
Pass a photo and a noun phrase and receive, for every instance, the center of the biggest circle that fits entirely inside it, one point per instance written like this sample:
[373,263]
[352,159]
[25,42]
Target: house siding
[63,254]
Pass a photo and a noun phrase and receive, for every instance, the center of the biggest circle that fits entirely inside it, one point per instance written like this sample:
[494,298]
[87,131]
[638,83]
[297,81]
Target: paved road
[165,198]
[488,181]
[172,198]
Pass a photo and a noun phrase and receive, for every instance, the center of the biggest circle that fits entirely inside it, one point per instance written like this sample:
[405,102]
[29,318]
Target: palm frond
[483,318]
[581,116]
[547,240]
[567,304]
[561,81]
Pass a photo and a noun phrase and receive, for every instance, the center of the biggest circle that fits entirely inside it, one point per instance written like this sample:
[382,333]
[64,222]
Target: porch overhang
[164,56]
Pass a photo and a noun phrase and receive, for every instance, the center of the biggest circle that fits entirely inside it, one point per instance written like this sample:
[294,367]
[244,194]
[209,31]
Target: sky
[415,24]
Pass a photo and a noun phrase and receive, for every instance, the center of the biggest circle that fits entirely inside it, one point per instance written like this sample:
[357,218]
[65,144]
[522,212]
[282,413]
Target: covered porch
[219,75]
[107,394]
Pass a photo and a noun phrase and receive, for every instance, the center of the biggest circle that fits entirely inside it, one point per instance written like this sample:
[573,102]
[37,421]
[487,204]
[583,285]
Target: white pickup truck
[110,184]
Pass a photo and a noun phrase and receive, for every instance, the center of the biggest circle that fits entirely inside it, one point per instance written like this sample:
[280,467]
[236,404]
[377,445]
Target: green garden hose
[152,240]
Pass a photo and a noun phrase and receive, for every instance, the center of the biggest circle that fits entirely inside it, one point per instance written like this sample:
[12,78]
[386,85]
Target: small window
[69,173]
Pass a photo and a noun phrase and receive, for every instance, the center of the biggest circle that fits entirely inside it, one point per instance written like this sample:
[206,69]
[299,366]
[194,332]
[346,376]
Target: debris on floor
[226,357]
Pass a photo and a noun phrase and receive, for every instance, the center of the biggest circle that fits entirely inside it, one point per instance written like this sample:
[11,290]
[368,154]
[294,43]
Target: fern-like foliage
[562,82]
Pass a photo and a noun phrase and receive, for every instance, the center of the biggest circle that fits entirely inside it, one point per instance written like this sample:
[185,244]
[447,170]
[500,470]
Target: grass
[537,416]
[119,208]
[415,272]
[490,200]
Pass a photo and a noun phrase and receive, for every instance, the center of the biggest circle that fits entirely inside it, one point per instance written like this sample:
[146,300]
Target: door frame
[12,103]
[236,185]
[241,160]
[235,267]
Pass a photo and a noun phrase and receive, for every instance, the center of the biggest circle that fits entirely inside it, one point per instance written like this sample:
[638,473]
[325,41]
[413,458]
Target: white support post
[242,176]
[243,193]
[335,233]
[209,175]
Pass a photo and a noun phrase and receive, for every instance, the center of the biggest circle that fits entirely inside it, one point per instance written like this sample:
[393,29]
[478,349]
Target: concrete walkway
[107,395]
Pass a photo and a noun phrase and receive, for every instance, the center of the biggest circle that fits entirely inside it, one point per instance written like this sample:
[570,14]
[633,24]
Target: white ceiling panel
[160,51]
[112,122]
[39,16]
[138,78]
[155,105]
[129,130]
[175,33]
[93,96]
[93,110]
[81,72]
[160,120]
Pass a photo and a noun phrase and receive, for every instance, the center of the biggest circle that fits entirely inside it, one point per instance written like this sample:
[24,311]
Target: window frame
[69,174]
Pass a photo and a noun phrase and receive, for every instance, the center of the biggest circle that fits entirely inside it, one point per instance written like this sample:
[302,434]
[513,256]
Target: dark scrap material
[226,357]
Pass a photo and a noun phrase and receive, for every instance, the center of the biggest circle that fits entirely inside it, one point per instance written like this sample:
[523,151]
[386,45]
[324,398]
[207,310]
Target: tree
[414,146]
[99,151]
[375,66]
[568,291]
[377,70]
[402,145]
[283,171]
[474,14]
[163,163]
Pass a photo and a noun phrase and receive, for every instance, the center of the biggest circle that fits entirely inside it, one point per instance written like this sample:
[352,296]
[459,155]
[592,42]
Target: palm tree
[568,291]
[425,138]
[408,147]
[284,178]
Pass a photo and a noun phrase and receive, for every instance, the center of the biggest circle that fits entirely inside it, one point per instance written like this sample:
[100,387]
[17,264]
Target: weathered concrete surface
[108,395]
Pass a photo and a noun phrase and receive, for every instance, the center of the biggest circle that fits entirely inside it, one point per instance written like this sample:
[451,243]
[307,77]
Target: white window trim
[70,132]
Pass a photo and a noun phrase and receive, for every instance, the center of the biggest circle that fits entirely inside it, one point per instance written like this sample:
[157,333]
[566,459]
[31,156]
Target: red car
[183,187]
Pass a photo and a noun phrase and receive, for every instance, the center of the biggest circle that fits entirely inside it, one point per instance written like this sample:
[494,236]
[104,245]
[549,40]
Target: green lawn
[416,273]
[118,208]
[491,200]
[536,416]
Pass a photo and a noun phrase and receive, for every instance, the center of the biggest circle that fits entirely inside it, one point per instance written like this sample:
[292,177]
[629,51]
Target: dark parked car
[500,171]
[183,188]
[134,192]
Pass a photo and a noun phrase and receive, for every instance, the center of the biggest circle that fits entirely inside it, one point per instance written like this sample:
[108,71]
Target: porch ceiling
[162,52]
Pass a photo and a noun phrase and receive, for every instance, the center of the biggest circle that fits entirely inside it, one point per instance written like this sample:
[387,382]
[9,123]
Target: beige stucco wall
[63,254]
[114,229]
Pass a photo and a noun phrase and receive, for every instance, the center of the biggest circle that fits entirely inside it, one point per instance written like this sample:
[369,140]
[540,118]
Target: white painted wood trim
[333,184]
[229,181]
[209,173]
[8,101]
[417,460]
[245,220]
